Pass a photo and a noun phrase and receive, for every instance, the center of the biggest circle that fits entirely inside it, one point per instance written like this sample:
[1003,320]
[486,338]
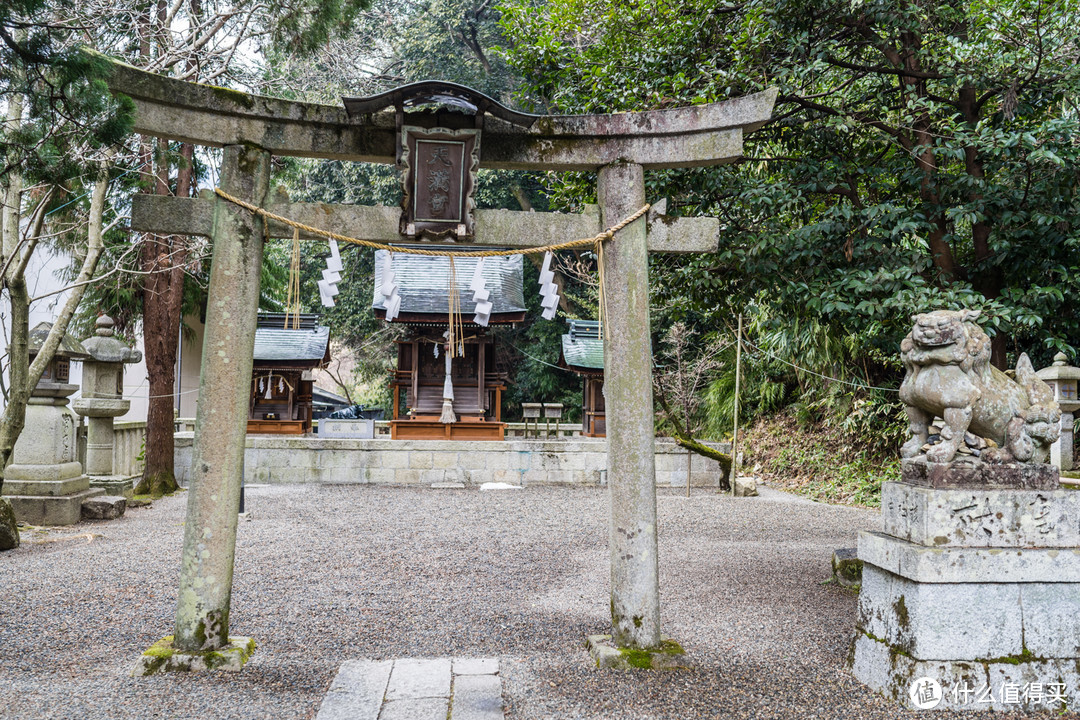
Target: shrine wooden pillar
[202,613]
[631,456]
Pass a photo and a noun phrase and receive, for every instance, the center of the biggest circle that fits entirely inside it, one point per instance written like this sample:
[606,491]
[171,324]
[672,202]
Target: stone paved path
[407,689]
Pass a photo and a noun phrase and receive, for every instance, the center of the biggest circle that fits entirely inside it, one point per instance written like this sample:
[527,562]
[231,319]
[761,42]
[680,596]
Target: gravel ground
[329,573]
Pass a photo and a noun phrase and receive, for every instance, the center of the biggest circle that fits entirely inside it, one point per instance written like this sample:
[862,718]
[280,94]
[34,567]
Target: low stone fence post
[128,449]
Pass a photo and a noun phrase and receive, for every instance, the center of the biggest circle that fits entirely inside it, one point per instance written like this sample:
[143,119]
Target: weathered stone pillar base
[975,589]
[51,509]
[162,657]
[889,670]
[120,485]
[44,483]
[669,655]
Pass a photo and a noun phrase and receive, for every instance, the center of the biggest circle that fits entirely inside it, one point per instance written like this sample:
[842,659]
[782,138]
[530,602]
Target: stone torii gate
[252,129]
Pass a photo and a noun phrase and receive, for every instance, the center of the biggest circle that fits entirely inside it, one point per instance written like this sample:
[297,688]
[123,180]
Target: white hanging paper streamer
[389,289]
[549,291]
[481,295]
[448,416]
[393,307]
[327,291]
[334,261]
[331,276]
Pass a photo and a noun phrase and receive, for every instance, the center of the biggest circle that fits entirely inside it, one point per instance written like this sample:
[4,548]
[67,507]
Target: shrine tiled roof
[583,347]
[301,344]
[424,281]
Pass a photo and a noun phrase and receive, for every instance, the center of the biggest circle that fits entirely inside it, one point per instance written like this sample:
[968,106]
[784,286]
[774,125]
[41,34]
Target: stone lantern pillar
[44,481]
[101,401]
[1062,379]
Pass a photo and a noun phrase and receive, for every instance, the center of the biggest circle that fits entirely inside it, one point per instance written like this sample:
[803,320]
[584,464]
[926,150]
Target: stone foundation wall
[270,459]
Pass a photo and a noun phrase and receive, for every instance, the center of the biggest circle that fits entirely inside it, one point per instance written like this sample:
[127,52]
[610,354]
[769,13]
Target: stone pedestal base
[669,656]
[50,509]
[161,657]
[120,485]
[973,474]
[1008,684]
[1002,623]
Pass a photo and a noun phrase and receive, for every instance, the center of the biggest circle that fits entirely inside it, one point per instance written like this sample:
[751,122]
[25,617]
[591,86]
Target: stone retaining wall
[270,459]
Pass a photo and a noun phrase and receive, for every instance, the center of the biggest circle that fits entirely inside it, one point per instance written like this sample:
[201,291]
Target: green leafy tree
[921,155]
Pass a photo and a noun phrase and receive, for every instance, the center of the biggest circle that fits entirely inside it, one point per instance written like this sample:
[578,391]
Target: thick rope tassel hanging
[448,415]
[292,301]
[454,338]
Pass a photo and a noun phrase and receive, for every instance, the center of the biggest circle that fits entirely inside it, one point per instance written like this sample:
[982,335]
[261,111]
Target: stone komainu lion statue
[949,375]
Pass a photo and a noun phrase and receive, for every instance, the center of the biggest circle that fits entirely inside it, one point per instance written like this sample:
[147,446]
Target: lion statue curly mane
[949,375]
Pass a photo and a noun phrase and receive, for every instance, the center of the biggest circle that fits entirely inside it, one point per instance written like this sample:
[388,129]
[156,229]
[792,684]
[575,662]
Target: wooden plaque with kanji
[439,175]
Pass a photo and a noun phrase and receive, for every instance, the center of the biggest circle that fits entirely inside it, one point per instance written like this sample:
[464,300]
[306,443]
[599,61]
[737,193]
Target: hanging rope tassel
[448,415]
[292,301]
[453,340]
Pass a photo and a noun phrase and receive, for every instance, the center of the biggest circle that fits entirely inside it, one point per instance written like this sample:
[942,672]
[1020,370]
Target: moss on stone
[901,612]
[163,657]
[163,648]
[236,97]
[1024,657]
[643,658]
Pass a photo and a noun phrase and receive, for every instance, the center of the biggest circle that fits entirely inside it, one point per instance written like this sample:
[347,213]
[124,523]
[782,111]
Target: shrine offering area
[330,574]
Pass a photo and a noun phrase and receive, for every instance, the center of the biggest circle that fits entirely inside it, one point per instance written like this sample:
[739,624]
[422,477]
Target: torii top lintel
[206,115]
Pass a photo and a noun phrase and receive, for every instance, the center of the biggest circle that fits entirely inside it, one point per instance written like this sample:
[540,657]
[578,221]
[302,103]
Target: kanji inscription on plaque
[439,175]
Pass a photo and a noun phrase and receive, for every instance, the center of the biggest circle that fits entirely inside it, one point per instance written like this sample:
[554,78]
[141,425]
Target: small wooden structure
[281,380]
[583,353]
[478,378]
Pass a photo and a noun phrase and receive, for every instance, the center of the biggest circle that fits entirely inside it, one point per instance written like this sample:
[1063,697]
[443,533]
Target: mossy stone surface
[162,657]
[847,567]
[668,655]
[9,530]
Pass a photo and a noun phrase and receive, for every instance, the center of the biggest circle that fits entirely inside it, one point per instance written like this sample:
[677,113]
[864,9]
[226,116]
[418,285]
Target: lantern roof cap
[69,347]
[1060,370]
[104,347]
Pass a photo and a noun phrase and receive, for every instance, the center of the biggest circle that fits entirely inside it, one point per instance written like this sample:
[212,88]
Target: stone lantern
[101,401]
[45,481]
[1062,379]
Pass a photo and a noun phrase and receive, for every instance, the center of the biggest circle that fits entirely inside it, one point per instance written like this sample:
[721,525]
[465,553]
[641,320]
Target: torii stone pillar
[202,613]
[635,585]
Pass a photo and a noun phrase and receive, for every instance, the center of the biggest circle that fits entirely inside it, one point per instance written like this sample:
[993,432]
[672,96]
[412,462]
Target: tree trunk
[986,278]
[14,417]
[705,451]
[160,345]
[163,258]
